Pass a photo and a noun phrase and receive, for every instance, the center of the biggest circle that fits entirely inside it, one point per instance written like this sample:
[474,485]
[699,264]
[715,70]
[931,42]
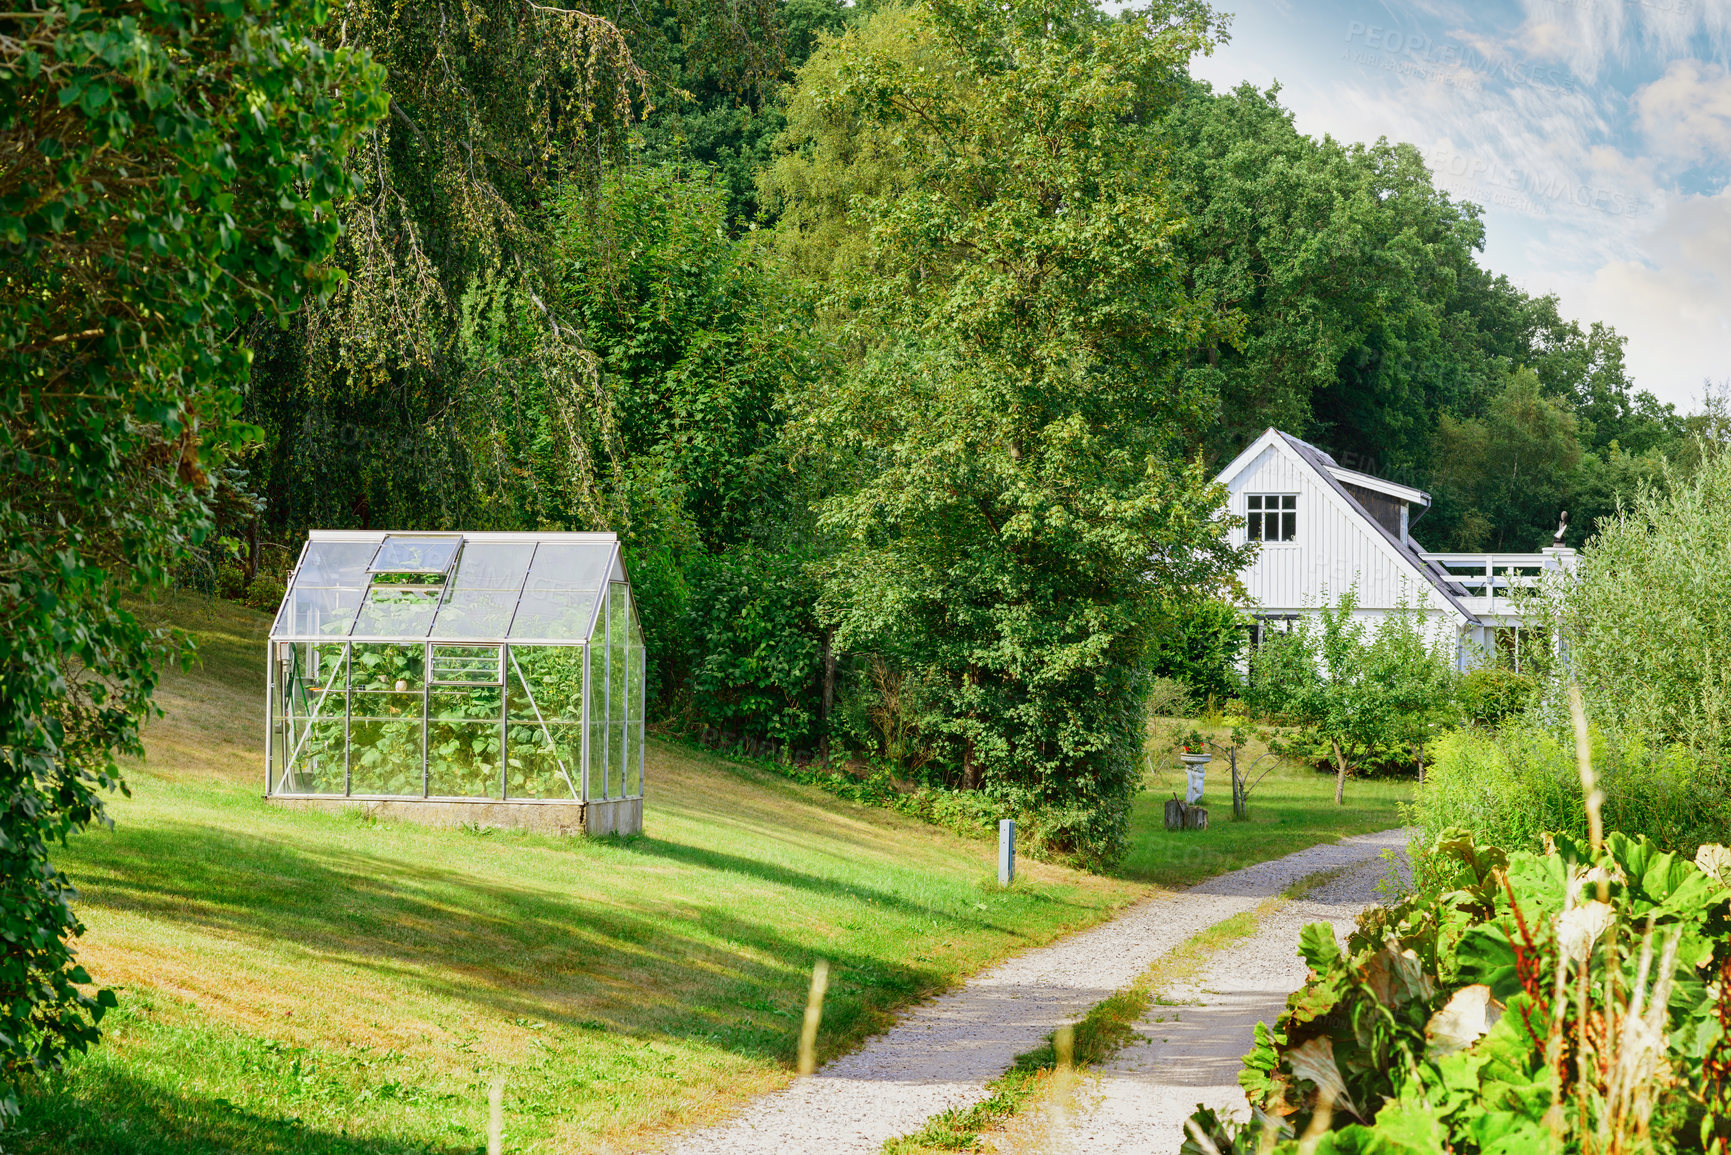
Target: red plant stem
[1527,965]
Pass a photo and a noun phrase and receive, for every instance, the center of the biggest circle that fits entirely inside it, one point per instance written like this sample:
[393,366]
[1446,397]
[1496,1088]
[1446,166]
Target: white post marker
[1006,851]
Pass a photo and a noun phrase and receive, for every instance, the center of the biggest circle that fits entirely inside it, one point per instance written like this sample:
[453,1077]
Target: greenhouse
[487,678]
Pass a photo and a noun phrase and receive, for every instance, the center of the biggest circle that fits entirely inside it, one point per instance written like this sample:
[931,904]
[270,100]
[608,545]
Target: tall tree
[698,347]
[1343,263]
[715,71]
[1502,478]
[400,400]
[173,169]
[1016,407]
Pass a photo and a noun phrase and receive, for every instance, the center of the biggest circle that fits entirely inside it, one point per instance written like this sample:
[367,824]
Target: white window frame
[1255,509]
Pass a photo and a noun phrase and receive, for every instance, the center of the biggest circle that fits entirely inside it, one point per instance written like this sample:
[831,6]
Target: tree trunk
[1239,809]
[827,701]
[1339,776]
[970,768]
[1418,752]
[252,551]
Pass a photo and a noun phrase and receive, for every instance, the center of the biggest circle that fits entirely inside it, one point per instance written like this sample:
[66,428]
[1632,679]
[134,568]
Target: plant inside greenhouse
[458,667]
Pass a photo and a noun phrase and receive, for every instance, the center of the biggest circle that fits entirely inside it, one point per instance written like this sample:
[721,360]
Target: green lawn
[295,982]
[1293,808]
[316,983]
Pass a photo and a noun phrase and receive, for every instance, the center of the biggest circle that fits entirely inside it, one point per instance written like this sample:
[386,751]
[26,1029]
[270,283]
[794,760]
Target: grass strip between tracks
[1110,1026]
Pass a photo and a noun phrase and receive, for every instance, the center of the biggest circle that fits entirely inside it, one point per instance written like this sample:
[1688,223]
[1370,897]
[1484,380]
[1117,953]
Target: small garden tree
[1415,672]
[1355,688]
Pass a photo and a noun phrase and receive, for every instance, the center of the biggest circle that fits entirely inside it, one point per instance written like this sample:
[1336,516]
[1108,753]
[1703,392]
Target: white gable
[1336,547]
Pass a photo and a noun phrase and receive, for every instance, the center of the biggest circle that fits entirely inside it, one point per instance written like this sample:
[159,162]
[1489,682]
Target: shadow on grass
[677,967]
[721,861]
[113,1113]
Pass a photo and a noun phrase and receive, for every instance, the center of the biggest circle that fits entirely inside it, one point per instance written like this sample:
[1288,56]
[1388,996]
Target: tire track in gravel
[943,1053]
[1190,1054]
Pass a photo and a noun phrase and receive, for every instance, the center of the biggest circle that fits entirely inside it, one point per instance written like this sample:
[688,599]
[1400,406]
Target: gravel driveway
[944,1052]
[1190,1054]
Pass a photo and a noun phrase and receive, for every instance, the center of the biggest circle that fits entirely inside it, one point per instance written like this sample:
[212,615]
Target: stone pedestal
[1195,766]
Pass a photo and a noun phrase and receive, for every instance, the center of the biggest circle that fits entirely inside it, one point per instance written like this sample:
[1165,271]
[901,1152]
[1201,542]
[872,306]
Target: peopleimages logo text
[1418,54]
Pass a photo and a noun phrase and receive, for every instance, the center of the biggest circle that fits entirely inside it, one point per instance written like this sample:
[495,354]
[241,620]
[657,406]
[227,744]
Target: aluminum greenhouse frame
[486,678]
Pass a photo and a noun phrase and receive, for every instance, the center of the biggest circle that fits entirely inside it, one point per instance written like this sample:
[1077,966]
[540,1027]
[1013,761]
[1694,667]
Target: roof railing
[1494,574]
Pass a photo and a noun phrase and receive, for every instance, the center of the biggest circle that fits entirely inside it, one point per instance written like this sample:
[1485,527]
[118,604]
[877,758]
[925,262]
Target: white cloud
[1674,305]
[1686,113]
[1593,35]
[1584,127]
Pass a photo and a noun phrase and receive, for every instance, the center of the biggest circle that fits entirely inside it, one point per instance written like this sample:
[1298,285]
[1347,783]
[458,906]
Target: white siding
[1335,550]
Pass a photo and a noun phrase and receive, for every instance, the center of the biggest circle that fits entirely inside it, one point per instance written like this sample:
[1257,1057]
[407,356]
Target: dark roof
[1431,571]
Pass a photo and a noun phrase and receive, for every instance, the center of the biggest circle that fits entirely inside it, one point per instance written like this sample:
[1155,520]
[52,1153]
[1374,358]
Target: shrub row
[1511,786]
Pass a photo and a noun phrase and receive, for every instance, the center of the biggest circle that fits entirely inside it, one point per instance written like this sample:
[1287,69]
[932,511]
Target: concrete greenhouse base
[543,816]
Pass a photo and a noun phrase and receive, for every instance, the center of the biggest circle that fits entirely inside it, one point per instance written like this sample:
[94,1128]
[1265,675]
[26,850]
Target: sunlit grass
[305,982]
[300,982]
[1292,808]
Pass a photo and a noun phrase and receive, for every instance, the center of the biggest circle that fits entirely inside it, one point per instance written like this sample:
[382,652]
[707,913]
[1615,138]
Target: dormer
[1391,505]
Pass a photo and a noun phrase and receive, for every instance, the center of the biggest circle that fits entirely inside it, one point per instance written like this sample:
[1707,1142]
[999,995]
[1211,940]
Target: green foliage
[264,592]
[1382,759]
[1516,464]
[834,150]
[1012,407]
[1645,622]
[698,348]
[1520,1001]
[1168,698]
[753,627]
[410,397]
[1647,615]
[153,203]
[1355,352]
[1491,694]
[1199,642]
[715,70]
[889,714]
[1360,696]
[1515,784]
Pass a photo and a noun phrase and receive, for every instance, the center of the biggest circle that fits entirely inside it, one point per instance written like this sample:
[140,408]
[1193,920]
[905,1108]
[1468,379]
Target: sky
[1595,134]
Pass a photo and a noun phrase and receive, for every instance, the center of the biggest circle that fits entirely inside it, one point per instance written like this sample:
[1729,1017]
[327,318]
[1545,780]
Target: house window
[1273,516]
[1266,626]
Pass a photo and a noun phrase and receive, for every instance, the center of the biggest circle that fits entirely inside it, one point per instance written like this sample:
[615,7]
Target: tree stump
[1180,815]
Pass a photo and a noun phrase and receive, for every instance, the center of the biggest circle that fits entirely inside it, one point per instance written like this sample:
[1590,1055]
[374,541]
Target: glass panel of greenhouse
[501,666]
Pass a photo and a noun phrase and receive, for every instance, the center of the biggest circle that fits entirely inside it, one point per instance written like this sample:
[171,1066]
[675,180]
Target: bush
[1455,1020]
[1513,786]
[231,582]
[1198,642]
[1169,698]
[892,715]
[1647,614]
[1491,694]
[265,592]
[757,645]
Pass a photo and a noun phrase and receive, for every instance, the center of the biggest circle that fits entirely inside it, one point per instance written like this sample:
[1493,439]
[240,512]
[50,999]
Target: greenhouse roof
[484,588]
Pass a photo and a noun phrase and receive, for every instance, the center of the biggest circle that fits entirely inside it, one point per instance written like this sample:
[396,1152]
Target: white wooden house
[1325,529]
